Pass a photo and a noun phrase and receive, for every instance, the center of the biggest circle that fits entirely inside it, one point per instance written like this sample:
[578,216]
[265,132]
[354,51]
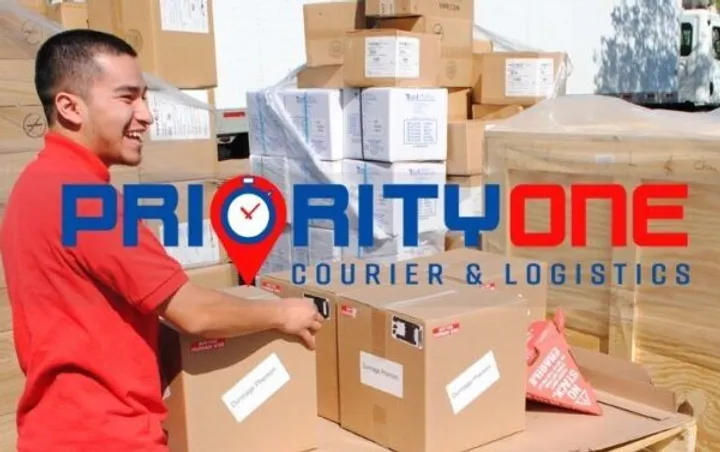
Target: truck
[655,53]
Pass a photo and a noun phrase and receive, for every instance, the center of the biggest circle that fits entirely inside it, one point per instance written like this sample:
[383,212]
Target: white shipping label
[470,384]
[388,56]
[174,120]
[381,374]
[529,77]
[472,203]
[189,16]
[421,132]
[192,256]
[256,388]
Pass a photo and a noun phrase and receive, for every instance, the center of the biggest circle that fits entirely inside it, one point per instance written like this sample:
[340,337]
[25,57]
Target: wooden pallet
[678,439]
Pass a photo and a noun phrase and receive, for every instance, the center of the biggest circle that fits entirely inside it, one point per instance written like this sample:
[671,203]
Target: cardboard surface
[459,9]
[69,15]
[421,365]
[229,392]
[466,148]
[321,77]
[214,276]
[325,28]
[519,78]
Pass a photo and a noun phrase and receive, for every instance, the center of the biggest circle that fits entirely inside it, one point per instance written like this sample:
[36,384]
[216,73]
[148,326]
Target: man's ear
[68,108]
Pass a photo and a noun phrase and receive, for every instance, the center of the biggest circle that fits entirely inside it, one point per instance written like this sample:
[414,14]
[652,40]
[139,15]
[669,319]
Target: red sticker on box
[270,287]
[446,330]
[205,345]
[348,311]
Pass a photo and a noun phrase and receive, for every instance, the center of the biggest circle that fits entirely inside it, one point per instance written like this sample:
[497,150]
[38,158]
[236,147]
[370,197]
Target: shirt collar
[55,141]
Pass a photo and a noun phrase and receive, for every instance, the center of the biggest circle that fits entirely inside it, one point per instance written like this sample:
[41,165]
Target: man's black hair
[66,62]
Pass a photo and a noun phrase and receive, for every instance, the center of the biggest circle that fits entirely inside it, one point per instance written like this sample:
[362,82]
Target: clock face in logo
[249,215]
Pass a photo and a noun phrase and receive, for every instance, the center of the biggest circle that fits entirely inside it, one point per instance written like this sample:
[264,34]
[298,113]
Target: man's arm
[214,314]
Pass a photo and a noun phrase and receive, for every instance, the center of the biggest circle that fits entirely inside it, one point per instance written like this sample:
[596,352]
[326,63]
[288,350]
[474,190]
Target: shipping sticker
[348,311]
[446,330]
[408,332]
[322,305]
[205,345]
[270,287]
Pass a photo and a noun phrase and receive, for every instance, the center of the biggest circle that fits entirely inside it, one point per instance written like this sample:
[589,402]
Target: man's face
[116,113]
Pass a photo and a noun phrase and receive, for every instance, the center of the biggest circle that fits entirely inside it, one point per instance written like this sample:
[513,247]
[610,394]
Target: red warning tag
[553,374]
[209,344]
[348,311]
[446,330]
[270,287]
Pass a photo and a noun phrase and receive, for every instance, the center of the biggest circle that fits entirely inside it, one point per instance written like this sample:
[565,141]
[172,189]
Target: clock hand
[254,209]
[248,215]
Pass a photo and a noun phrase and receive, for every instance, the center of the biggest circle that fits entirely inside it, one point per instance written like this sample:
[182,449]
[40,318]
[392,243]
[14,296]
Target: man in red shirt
[85,318]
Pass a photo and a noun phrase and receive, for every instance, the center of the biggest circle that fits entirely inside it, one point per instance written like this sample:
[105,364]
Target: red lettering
[644,212]
[520,194]
[580,194]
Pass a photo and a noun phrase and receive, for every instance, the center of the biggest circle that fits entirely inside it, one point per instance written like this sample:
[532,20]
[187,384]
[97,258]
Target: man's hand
[301,318]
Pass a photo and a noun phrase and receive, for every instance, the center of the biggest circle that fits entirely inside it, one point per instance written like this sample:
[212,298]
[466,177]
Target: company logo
[248,213]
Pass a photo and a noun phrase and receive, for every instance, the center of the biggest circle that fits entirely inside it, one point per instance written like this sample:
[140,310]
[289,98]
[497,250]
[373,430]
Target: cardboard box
[321,248]
[392,58]
[181,143]
[325,297]
[328,120]
[229,168]
[325,28]
[24,30]
[214,276]
[321,77]
[69,15]
[212,252]
[22,129]
[17,83]
[520,78]
[421,364]
[472,194]
[458,9]
[122,175]
[392,249]
[481,46]
[459,102]
[499,273]
[495,112]
[12,165]
[466,148]
[36,6]
[166,35]
[228,392]
[388,213]
[456,44]
[404,124]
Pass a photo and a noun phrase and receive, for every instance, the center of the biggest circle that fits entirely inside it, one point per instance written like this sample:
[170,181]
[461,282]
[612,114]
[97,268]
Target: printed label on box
[256,388]
[209,344]
[348,311]
[174,120]
[381,374]
[389,56]
[470,384]
[529,77]
[421,132]
[446,330]
[189,16]
[191,256]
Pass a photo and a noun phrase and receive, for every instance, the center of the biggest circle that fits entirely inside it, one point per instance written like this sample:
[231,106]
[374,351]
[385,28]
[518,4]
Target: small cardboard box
[225,394]
[457,9]
[521,78]
[456,45]
[175,41]
[420,365]
[325,28]
[325,299]
[466,148]
[459,103]
[392,58]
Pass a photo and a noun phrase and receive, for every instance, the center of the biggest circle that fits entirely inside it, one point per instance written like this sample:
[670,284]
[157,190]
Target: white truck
[651,52]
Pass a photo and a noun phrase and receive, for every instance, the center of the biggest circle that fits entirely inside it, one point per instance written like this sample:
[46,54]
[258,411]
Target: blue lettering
[304,212]
[658,274]
[557,274]
[509,279]
[72,223]
[411,274]
[323,274]
[410,195]
[598,274]
[472,226]
[534,274]
[683,274]
[165,212]
[298,274]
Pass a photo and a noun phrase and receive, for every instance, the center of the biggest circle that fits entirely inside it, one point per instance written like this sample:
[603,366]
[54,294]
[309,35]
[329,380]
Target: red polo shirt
[84,327]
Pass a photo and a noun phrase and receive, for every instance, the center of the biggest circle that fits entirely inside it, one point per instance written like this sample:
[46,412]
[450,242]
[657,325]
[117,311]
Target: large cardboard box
[498,273]
[321,77]
[214,276]
[459,103]
[229,168]
[458,9]
[22,129]
[17,83]
[325,298]
[70,15]
[181,144]
[23,30]
[230,394]
[404,124]
[456,44]
[431,367]
[212,252]
[175,40]
[521,78]
[325,28]
[466,148]
[384,57]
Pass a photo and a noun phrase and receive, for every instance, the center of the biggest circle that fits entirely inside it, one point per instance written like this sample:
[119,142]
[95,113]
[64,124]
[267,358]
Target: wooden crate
[671,330]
